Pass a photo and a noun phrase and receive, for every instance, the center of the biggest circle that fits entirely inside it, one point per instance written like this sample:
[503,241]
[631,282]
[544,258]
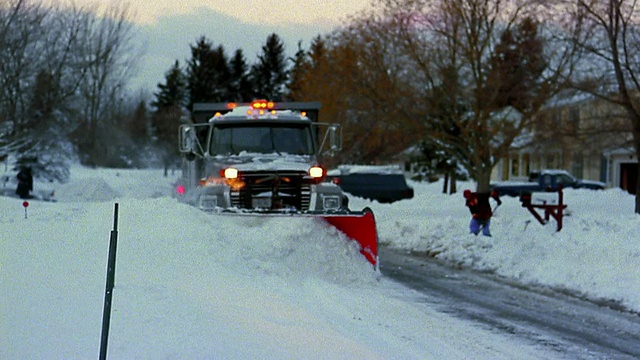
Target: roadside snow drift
[192,285]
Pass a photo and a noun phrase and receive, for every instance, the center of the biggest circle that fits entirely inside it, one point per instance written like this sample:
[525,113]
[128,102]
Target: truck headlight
[316,172]
[230,173]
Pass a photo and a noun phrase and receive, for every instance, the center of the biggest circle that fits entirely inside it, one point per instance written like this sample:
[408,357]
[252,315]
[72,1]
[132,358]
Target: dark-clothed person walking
[25,183]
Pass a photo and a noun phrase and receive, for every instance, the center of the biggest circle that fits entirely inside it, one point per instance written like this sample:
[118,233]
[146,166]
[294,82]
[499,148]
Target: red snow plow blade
[361,227]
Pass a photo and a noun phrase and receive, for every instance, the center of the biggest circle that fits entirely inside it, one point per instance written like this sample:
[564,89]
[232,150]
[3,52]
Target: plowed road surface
[572,327]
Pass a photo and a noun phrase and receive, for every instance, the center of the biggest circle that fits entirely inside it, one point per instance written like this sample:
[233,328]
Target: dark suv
[380,183]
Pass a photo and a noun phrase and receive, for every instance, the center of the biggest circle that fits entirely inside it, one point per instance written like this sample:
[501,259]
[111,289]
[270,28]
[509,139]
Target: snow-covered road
[573,327]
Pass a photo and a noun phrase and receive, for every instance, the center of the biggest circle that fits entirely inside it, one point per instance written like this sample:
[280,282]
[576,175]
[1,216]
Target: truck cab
[259,157]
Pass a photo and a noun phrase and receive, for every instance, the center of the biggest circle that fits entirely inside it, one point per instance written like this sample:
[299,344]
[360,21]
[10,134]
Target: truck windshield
[265,139]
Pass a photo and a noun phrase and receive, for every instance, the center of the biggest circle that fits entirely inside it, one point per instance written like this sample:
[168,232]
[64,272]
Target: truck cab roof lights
[256,109]
[260,112]
[263,105]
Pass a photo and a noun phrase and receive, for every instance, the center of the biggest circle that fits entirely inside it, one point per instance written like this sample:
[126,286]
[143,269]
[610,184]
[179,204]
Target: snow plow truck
[263,159]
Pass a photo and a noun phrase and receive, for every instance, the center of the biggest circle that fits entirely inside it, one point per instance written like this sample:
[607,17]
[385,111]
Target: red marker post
[25,205]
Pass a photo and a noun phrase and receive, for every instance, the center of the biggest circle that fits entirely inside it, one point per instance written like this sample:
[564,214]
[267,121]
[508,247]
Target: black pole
[108,293]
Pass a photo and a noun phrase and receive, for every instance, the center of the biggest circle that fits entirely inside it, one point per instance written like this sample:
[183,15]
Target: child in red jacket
[478,204]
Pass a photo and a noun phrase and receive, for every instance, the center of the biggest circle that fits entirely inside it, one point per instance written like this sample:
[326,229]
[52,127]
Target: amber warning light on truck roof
[263,105]
[256,108]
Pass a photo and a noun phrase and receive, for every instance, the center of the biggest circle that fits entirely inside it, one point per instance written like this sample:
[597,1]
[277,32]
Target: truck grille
[284,189]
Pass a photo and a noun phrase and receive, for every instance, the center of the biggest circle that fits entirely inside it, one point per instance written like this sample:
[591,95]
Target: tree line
[210,75]
[463,80]
[63,74]
[467,79]
[64,88]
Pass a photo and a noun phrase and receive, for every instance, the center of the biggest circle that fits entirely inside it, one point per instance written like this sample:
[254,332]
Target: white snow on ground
[192,285]
[595,254]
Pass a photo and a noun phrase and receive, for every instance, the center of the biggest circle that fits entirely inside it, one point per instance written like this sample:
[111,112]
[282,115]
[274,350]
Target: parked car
[545,180]
[384,184]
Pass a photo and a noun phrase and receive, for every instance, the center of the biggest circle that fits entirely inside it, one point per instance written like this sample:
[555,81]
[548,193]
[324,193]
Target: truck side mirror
[185,139]
[331,140]
[335,138]
[188,142]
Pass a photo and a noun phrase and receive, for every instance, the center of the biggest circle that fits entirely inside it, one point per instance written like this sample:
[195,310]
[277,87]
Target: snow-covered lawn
[191,285]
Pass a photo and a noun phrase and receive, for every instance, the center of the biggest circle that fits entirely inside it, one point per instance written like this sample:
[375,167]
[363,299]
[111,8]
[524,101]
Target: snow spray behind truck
[264,159]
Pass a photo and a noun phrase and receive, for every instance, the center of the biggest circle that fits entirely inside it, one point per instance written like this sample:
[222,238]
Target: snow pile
[365,169]
[111,184]
[89,189]
[195,285]
[247,243]
[594,255]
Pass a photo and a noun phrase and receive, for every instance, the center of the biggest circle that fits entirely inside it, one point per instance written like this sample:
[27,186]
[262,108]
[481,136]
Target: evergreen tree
[44,144]
[138,123]
[516,67]
[239,86]
[200,72]
[317,52]
[270,74]
[169,103]
[300,69]
[173,91]
[307,72]
[208,73]
[221,81]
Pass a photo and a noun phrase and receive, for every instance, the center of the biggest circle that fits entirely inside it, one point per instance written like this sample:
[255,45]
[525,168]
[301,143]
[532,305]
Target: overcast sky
[270,11]
[168,27]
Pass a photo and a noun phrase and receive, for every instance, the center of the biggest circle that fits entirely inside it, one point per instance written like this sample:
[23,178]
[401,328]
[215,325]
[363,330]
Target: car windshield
[233,139]
[565,180]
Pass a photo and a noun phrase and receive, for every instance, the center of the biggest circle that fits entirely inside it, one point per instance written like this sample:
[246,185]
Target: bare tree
[61,68]
[37,43]
[361,79]
[455,57]
[53,97]
[467,77]
[21,28]
[108,59]
[609,38]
